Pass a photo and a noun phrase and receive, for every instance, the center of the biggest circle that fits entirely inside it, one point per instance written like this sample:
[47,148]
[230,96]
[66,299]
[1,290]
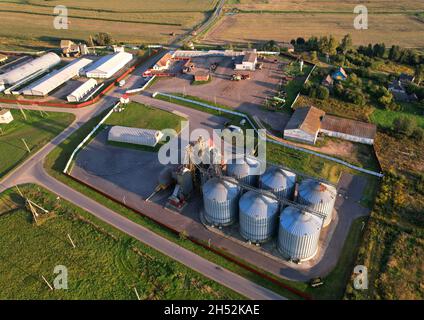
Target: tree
[300,41]
[322,93]
[332,45]
[103,39]
[346,43]
[418,134]
[314,56]
[419,73]
[404,125]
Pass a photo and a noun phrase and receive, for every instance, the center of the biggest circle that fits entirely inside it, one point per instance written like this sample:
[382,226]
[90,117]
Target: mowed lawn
[400,29]
[37,130]
[141,116]
[105,264]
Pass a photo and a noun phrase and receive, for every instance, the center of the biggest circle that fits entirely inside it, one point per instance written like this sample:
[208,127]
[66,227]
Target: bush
[404,125]
[418,134]
[322,93]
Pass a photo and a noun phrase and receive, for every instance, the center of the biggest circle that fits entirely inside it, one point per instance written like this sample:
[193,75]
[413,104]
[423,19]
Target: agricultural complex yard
[137,22]
[399,29]
[106,264]
[37,129]
[248,96]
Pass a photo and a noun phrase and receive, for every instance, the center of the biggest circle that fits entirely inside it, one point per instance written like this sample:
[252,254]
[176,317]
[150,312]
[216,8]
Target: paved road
[32,171]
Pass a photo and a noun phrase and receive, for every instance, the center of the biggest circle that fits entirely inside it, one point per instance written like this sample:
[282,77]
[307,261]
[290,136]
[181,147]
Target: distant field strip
[92,18]
[400,29]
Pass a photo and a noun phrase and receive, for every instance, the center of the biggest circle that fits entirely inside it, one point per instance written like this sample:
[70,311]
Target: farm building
[107,66]
[163,63]
[30,68]
[70,48]
[143,137]
[348,129]
[304,125]
[328,81]
[53,80]
[339,74]
[398,88]
[5,116]
[249,61]
[201,76]
[81,91]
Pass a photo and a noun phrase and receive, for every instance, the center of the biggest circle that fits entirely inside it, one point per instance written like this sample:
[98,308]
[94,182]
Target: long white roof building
[108,65]
[44,62]
[81,91]
[48,83]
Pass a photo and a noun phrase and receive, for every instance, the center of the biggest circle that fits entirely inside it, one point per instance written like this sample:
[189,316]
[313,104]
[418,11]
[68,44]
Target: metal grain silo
[298,234]
[220,199]
[244,170]
[258,216]
[318,196]
[279,181]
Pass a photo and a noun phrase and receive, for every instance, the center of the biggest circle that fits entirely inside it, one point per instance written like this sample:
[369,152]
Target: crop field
[37,129]
[136,22]
[399,29]
[105,264]
[326,5]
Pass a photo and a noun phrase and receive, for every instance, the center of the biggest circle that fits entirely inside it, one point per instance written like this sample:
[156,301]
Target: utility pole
[26,146]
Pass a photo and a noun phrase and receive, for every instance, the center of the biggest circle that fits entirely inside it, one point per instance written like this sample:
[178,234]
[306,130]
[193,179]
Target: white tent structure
[18,74]
[144,137]
[48,83]
[81,91]
[107,66]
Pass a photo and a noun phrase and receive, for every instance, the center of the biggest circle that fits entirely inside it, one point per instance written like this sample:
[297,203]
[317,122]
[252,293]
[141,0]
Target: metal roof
[44,62]
[258,205]
[55,79]
[348,126]
[83,88]
[316,192]
[299,222]
[109,64]
[278,178]
[307,119]
[220,190]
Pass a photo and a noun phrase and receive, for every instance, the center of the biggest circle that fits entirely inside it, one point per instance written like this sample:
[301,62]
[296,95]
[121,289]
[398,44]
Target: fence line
[273,138]
[68,164]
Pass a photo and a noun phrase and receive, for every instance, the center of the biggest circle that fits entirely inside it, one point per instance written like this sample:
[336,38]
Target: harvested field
[391,29]
[326,5]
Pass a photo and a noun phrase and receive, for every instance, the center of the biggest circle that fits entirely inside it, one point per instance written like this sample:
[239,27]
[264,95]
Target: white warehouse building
[81,91]
[107,66]
[144,137]
[48,83]
[24,71]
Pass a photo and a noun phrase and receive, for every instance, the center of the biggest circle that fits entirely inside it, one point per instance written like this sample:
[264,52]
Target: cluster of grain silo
[318,196]
[258,216]
[270,211]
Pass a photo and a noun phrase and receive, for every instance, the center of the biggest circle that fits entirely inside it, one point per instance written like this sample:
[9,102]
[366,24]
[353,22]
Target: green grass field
[104,265]
[37,129]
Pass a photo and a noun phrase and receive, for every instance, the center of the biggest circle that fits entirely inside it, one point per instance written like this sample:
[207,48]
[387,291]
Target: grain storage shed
[220,200]
[143,137]
[245,170]
[319,197]
[24,71]
[82,90]
[279,181]
[298,234]
[107,66]
[258,216]
[53,80]
[304,125]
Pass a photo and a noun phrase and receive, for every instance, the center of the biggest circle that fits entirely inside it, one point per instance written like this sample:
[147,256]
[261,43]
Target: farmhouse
[328,81]
[30,68]
[5,116]
[163,63]
[249,61]
[81,91]
[53,80]
[304,125]
[347,129]
[201,76]
[339,74]
[144,137]
[107,66]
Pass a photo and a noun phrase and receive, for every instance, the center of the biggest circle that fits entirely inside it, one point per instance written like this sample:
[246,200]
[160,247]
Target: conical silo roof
[220,190]
[258,205]
[316,192]
[277,178]
[299,223]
